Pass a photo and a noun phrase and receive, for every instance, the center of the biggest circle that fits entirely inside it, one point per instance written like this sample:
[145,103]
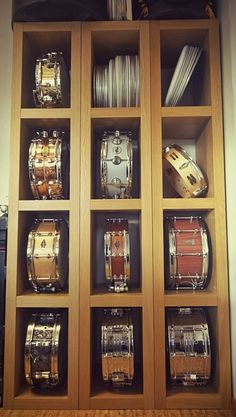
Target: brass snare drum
[49,165]
[47,255]
[51,81]
[116,164]
[117,254]
[188,254]
[189,350]
[182,172]
[117,344]
[45,350]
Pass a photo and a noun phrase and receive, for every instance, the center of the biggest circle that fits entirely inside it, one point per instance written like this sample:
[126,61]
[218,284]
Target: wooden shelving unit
[196,122]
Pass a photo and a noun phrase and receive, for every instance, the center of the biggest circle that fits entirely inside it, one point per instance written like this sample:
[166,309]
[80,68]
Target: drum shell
[45,356]
[117,254]
[57,160]
[57,63]
[197,269]
[113,361]
[188,346]
[110,170]
[48,265]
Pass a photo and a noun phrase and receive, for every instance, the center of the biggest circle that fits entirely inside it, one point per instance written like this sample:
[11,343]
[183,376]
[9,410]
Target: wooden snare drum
[45,350]
[117,345]
[52,83]
[49,165]
[189,349]
[116,164]
[47,255]
[116,251]
[188,255]
[182,172]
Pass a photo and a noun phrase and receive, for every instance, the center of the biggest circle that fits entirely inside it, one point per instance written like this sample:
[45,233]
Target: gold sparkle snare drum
[47,255]
[116,164]
[117,254]
[189,350]
[117,344]
[49,165]
[51,81]
[182,172]
[45,350]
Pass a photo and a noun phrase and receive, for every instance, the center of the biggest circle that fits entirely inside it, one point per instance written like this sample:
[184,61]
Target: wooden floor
[120,413]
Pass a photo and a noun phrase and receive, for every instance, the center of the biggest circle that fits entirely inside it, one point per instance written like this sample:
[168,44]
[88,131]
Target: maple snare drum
[47,255]
[117,254]
[52,83]
[45,351]
[182,172]
[49,166]
[116,164]
[188,255]
[189,347]
[117,345]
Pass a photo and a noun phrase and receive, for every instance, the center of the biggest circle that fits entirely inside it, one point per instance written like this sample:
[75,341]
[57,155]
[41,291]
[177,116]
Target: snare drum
[116,165]
[47,255]
[49,166]
[51,81]
[188,255]
[183,173]
[189,349]
[117,345]
[116,251]
[45,350]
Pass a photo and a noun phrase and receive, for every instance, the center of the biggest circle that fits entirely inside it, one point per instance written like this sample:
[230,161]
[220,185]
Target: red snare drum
[188,253]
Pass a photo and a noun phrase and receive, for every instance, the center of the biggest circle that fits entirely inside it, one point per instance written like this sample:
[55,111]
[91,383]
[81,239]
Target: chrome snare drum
[116,164]
[45,350]
[116,251]
[117,345]
[49,165]
[182,172]
[47,255]
[189,350]
[51,81]
[188,255]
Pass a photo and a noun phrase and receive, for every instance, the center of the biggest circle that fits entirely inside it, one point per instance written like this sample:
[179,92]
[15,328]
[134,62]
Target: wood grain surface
[117,413]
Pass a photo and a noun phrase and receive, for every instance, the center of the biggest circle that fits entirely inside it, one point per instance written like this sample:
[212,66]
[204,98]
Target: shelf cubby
[172,40]
[36,43]
[29,129]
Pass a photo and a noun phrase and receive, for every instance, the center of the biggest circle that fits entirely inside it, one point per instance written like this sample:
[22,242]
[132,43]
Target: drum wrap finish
[188,254]
[52,84]
[189,346]
[183,173]
[117,254]
[47,255]
[45,350]
[117,344]
[116,164]
[49,165]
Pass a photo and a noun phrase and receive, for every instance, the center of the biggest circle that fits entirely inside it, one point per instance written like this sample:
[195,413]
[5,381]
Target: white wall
[227,17]
[5,95]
